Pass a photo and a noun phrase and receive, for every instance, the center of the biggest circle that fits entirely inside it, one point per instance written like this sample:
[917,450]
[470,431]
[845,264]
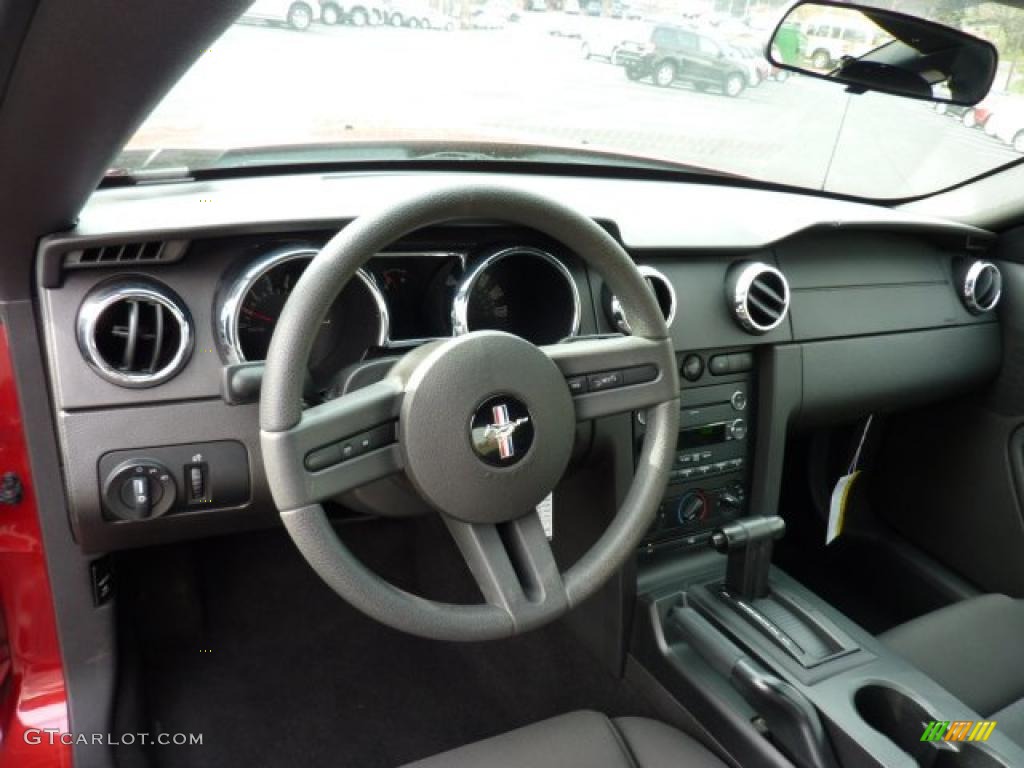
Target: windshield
[677,85]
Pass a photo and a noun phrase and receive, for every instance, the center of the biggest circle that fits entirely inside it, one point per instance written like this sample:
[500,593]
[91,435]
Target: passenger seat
[973,649]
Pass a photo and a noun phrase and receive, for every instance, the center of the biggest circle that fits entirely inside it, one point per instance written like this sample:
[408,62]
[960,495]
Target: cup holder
[903,720]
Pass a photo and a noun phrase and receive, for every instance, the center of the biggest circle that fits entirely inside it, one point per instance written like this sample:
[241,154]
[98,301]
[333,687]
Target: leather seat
[581,740]
[972,648]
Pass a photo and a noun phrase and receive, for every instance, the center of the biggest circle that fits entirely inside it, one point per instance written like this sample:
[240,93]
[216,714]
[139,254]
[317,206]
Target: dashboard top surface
[648,214]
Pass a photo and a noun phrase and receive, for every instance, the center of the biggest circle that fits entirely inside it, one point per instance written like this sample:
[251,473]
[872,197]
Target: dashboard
[157,313]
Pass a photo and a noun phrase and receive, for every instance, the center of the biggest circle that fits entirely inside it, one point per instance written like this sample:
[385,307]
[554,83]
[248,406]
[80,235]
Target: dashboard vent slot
[758,296]
[980,284]
[664,294]
[135,333]
[121,253]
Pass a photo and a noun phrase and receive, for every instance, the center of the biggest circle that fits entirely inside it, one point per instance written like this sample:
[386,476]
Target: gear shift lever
[748,546]
[804,634]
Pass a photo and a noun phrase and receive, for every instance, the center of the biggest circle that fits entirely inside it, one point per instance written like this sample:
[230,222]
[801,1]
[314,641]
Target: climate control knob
[692,506]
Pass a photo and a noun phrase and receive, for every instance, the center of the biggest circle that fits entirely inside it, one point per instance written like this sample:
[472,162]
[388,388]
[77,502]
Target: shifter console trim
[819,642]
[769,627]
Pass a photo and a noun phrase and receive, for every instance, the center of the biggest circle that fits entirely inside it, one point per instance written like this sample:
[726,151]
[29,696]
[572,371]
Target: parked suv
[676,53]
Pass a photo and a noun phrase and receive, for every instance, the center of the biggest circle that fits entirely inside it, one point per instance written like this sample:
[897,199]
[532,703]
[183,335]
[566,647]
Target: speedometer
[524,291]
[252,305]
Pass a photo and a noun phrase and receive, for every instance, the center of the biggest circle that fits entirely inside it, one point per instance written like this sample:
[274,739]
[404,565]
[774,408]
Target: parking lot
[264,85]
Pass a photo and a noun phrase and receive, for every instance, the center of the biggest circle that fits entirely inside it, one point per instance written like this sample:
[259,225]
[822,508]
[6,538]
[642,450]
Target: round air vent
[758,296]
[664,294]
[135,333]
[980,284]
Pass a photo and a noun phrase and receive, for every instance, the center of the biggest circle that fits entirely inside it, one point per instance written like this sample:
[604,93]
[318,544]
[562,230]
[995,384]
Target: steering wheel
[482,424]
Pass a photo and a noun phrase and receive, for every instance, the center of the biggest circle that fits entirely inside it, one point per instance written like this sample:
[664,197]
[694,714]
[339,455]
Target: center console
[782,677]
[768,667]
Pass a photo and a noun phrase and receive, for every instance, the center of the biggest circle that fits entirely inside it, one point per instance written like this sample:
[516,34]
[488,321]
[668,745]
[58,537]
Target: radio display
[697,437]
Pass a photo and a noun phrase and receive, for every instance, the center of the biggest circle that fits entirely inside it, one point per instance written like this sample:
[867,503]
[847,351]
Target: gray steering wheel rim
[281,404]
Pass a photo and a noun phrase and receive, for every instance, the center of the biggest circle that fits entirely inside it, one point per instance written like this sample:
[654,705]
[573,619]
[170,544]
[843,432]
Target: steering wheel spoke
[337,446]
[616,375]
[514,567]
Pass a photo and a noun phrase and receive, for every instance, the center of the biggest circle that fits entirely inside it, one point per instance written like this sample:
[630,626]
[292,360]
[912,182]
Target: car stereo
[709,479]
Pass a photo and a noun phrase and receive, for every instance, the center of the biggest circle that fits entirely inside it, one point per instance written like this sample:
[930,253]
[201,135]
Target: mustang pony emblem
[502,429]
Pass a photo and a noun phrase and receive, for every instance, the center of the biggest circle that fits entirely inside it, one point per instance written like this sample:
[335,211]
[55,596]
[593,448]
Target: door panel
[32,689]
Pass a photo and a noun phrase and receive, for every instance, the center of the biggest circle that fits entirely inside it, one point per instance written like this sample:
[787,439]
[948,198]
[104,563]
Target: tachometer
[252,305]
[261,306]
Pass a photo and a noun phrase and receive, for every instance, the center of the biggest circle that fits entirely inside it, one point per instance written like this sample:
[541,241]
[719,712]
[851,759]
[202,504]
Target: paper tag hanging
[841,493]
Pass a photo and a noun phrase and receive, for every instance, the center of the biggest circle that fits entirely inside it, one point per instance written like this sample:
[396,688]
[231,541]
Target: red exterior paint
[32,691]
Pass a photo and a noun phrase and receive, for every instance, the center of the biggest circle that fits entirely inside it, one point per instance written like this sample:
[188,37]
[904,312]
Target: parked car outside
[366,13]
[678,54]
[625,11]
[416,14]
[509,10]
[434,19]
[1006,122]
[978,116]
[953,110]
[828,40]
[758,68]
[297,14]
[602,38]
[487,18]
[569,22]
[331,12]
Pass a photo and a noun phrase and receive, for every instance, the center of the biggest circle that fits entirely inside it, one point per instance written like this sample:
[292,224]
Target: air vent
[758,296]
[135,333]
[149,251]
[980,284]
[664,294]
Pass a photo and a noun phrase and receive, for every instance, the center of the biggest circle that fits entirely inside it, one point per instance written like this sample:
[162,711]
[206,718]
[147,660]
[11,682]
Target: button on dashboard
[577,385]
[692,367]
[350,448]
[323,457]
[597,382]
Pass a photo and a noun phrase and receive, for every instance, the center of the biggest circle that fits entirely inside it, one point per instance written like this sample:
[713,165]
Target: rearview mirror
[870,49]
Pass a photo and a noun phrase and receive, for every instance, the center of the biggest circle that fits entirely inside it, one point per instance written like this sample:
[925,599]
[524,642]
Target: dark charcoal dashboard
[157,319]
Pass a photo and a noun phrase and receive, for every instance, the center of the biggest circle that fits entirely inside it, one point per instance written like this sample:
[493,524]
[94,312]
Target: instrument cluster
[400,300]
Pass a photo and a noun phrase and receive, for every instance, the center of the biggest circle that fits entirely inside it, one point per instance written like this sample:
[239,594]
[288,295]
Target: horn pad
[487,427]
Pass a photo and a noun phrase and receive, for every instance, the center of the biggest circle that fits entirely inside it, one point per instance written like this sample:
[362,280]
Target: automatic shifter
[805,635]
[748,545]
